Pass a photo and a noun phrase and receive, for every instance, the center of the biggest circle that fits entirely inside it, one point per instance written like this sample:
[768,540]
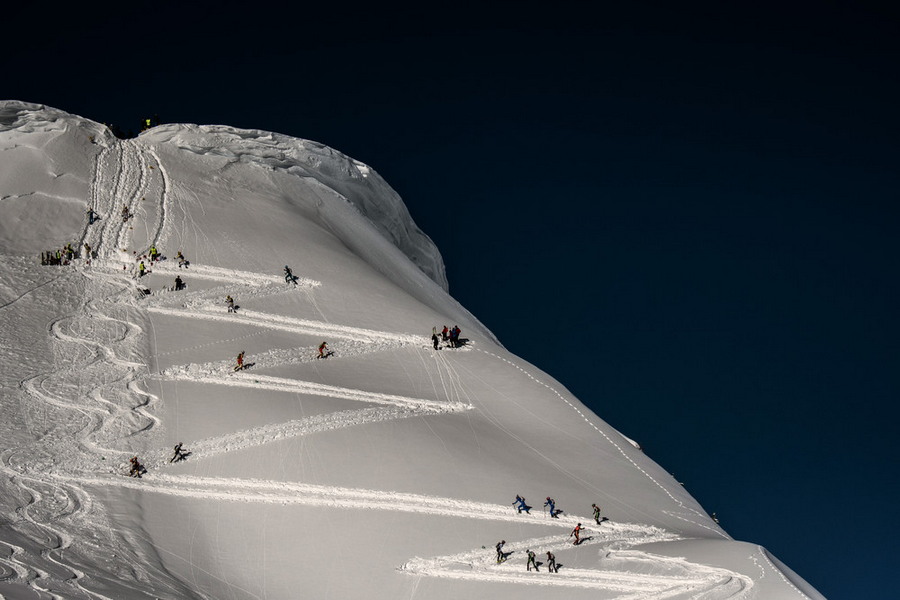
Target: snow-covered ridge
[383,471]
[357,183]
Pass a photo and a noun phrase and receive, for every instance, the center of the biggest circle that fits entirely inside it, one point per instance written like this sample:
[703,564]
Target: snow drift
[385,470]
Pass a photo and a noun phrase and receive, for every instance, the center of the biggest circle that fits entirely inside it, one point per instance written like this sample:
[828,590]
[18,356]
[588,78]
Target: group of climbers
[522,506]
[448,336]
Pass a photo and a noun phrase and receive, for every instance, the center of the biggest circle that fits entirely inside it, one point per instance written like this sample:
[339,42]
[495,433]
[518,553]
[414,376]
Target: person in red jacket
[577,533]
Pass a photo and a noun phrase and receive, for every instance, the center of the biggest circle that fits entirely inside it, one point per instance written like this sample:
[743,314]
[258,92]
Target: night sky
[687,214]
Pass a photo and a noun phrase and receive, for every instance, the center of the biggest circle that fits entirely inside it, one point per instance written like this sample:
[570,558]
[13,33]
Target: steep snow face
[385,469]
[349,179]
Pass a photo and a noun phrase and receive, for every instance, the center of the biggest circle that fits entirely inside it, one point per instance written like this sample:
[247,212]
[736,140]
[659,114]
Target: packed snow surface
[387,469]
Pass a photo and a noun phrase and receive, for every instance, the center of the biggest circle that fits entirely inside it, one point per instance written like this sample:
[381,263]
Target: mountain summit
[220,380]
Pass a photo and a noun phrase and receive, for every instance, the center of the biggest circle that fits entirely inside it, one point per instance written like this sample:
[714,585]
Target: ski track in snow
[111,413]
[621,450]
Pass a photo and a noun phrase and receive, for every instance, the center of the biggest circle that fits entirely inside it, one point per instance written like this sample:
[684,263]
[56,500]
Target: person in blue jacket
[522,506]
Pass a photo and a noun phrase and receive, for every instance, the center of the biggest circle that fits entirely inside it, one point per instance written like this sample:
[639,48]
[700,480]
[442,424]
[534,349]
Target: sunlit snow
[386,470]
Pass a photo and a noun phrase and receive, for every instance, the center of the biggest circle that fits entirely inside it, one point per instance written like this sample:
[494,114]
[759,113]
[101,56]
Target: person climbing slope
[499,547]
[522,506]
[240,362]
[136,468]
[179,455]
[551,563]
[577,533]
[552,504]
[531,562]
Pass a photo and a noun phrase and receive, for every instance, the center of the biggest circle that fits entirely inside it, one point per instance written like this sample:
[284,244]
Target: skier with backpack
[577,533]
[552,504]
[289,276]
[240,362]
[596,513]
[551,563]
[229,301]
[179,455]
[531,562]
[136,468]
[522,506]
[499,547]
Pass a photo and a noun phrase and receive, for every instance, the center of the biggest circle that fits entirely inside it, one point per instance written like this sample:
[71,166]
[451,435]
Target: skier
[445,333]
[324,352]
[435,340]
[92,216]
[181,260]
[577,533]
[531,562]
[154,254]
[125,214]
[289,276]
[499,547]
[552,504]
[240,362]
[141,269]
[522,506]
[179,455]
[551,563]
[87,251]
[454,336]
[229,301]
[136,468]
[596,513]
[179,284]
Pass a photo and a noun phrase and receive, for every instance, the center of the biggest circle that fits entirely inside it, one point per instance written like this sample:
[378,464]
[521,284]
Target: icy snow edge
[355,181]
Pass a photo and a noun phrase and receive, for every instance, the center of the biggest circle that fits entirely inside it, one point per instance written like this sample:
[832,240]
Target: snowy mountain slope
[384,471]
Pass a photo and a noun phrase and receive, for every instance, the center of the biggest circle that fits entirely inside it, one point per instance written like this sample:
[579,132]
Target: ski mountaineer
[179,455]
[240,362]
[531,561]
[141,269]
[522,506]
[552,504]
[181,260]
[229,301]
[324,352]
[289,276]
[499,547]
[577,533]
[435,340]
[445,333]
[596,513]
[92,216]
[551,563]
[179,284]
[154,254]
[136,468]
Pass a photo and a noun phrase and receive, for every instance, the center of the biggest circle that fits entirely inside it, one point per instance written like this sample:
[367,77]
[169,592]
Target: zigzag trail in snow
[670,578]
[59,506]
[687,510]
[667,577]
[89,340]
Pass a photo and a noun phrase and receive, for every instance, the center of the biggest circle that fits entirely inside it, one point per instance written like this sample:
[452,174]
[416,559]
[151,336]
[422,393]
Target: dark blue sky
[685,213]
